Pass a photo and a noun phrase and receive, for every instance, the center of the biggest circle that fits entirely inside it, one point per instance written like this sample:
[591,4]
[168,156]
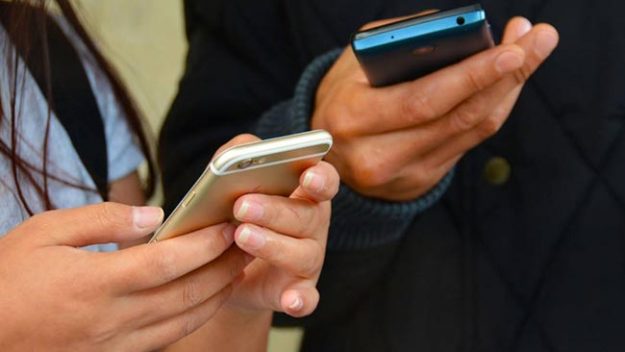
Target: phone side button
[188,200]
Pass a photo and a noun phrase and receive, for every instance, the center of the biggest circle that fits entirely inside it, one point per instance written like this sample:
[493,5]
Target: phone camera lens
[460,20]
[245,164]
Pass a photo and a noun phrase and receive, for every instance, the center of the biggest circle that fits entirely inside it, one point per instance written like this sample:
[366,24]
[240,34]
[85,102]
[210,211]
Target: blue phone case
[414,47]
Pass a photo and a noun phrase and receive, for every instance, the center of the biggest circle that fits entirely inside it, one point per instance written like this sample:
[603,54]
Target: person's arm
[428,124]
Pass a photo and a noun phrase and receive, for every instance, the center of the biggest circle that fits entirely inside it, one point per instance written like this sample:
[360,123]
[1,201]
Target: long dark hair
[27,19]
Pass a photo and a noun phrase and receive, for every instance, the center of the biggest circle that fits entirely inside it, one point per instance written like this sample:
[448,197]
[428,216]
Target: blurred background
[145,41]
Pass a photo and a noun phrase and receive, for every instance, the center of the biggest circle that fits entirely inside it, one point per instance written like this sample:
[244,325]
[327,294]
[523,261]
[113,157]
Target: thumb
[94,224]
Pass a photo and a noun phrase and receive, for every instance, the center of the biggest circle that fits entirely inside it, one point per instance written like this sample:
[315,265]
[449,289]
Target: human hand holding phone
[428,123]
[287,236]
[57,297]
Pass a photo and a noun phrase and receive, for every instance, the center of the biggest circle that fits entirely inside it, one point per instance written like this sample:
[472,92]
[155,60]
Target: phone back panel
[415,47]
[210,201]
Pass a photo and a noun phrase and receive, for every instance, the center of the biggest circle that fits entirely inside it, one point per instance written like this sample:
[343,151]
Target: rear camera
[460,20]
[245,164]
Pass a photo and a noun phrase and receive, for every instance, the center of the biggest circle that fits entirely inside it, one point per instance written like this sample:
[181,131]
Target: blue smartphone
[414,47]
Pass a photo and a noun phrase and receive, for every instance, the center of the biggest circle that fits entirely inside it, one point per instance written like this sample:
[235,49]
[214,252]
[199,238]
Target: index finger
[154,264]
[318,183]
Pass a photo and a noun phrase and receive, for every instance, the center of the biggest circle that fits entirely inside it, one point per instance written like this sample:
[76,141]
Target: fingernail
[546,41]
[508,61]
[228,233]
[524,27]
[296,304]
[313,181]
[147,217]
[251,238]
[250,211]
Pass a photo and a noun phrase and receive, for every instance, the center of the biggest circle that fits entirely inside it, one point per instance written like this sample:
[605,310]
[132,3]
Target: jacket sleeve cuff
[357,222]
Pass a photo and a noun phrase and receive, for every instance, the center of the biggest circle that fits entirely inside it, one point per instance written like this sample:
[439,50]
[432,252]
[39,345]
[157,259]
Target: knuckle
[311,265]
[464,118]
[272,252]
[99,333]
[191,295]
[214,244]
[340,124]
[490,126]
[189,324]
[113,215]
[295,216]
[164,264]
[473,81]
[418,108]
[521,75]
[370,171]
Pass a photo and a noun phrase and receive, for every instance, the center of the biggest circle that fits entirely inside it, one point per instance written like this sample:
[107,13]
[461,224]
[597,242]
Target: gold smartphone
[271,166]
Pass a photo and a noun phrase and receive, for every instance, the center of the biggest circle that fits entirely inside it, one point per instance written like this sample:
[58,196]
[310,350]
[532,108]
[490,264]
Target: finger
[291,216]
[516,28]
[93,224]
[460,144]
[428,98]
[155,264]
[169,331]
[538,43]
[299,300]
[319,183]
[188,291]
[301,257]
[240,139]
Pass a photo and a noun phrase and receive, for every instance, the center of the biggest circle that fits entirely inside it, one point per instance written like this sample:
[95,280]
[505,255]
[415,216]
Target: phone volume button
[188,200]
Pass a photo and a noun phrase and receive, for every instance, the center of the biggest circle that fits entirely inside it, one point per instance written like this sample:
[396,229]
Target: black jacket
[534,264]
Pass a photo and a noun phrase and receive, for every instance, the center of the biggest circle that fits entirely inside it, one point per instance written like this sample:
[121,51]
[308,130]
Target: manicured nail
[313,181]
[251,238]
[508,61]
[147,217]
[546,41]
[296,304]
[228,233]
[250,211]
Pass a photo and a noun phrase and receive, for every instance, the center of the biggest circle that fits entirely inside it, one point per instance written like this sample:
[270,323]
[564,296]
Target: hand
[397,142]
[55,296]
[288,236]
